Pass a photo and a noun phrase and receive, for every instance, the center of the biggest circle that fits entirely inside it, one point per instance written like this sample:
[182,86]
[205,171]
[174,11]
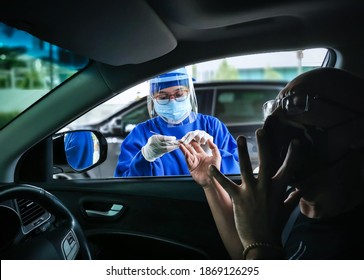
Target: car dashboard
[22,219]
[29,231]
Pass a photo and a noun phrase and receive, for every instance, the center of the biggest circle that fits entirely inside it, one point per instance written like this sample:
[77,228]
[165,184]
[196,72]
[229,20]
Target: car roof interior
[210,26]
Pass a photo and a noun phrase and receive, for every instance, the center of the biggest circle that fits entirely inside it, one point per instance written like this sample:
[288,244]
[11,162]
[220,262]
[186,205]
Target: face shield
[172,97]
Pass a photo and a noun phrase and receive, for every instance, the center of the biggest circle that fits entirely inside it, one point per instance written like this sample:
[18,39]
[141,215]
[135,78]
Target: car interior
[101,49]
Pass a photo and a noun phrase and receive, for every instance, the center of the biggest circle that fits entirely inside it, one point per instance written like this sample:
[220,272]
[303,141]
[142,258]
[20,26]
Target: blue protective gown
[132,163]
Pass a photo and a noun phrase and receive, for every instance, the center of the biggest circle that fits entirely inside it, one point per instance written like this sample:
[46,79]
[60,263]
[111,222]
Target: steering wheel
[64,240]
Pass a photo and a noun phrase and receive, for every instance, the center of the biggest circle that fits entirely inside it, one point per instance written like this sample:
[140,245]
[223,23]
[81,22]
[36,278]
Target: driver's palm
[198,161]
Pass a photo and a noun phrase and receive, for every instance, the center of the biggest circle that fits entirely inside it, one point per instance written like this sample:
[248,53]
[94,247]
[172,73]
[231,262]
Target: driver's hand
[198,161]
[259,203]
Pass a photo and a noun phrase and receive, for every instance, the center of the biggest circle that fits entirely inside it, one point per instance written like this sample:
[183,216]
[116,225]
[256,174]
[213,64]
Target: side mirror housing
[78,150]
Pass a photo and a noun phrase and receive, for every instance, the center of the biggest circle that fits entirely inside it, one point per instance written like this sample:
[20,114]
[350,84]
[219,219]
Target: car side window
[133,117]
[204,100]
[235,98]
[242,105]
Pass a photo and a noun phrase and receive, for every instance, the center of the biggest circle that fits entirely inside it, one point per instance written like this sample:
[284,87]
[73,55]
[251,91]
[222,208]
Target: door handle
[114,210]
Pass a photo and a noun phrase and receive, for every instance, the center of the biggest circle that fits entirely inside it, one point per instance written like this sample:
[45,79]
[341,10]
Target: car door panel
[165,218]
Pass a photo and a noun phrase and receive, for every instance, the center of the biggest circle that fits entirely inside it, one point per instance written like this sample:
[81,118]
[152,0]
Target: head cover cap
[177,77]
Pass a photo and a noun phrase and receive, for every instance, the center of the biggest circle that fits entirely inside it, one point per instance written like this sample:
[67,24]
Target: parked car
[237,104]
[60,60]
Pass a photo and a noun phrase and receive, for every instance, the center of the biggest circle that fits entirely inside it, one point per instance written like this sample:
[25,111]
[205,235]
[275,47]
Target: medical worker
[152,147]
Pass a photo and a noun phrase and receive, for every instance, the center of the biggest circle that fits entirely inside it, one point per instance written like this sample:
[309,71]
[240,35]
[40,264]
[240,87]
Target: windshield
[29,69]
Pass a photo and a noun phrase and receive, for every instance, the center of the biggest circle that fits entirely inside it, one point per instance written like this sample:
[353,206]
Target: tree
[271,74]
[194,71]
[226,72]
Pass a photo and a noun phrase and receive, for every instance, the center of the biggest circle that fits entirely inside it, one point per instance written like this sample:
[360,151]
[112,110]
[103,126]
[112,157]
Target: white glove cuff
[146,156]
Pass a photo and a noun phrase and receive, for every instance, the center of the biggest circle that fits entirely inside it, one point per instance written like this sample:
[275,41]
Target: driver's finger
[214,149]
[191,149]
[230,187]
[246,170]
[184,149]
[197,147]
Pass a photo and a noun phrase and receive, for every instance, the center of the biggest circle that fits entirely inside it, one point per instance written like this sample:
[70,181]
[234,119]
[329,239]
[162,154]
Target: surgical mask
[174,112]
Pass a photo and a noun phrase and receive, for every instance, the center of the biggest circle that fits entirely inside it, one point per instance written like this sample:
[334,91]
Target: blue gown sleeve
[227,146]
[130,157]
[131,162]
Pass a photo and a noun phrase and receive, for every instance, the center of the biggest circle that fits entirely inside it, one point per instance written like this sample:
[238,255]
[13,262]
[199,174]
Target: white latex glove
[158,145]
[200,137]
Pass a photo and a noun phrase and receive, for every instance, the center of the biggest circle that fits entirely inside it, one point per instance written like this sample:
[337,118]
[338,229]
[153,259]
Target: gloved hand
[158,145]
[200,137]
